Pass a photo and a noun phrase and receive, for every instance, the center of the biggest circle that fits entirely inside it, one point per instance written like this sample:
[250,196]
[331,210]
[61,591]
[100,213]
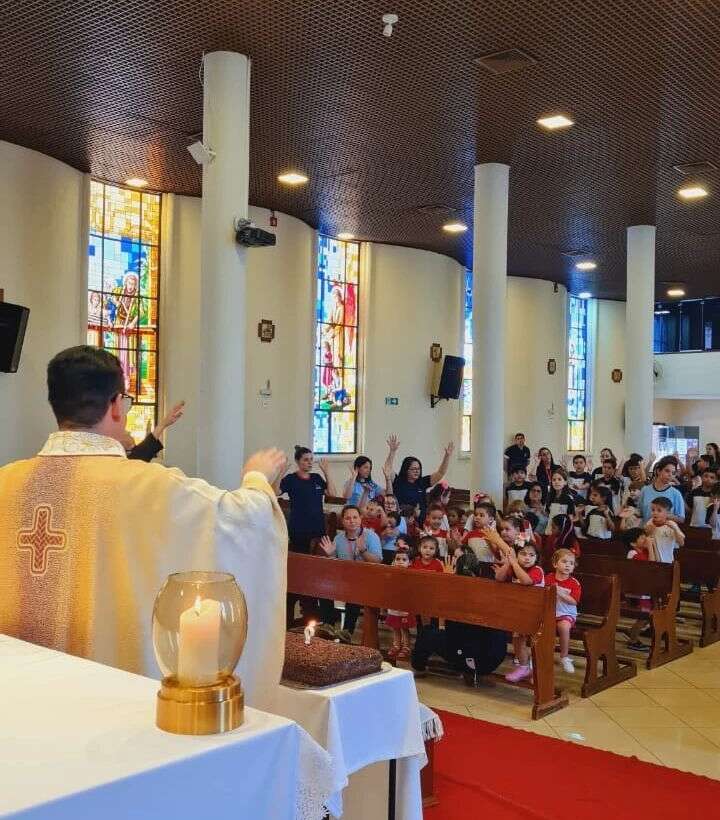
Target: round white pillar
[221,410]
[489,297]
[639,392]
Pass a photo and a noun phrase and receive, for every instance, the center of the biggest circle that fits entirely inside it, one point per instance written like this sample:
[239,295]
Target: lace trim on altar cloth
[315,785]
[81,443]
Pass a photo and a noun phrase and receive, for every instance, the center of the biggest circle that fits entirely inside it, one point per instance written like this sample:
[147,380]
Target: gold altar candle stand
[199,632]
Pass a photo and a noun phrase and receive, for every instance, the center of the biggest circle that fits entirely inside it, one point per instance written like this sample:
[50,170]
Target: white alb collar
[81,443]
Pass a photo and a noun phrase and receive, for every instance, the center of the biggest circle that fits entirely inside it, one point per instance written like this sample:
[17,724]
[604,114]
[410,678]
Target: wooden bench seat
[659,581]
[598,615]
[527,611]
[702,567]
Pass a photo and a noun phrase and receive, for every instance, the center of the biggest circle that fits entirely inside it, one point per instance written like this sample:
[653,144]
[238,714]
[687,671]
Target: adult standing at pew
[306,491]
[542,468]
[663,485]
[409,485]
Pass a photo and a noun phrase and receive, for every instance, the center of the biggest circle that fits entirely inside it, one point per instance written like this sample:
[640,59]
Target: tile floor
[669,716]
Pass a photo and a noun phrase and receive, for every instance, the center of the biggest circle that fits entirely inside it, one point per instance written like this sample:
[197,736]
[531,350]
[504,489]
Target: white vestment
[88,537]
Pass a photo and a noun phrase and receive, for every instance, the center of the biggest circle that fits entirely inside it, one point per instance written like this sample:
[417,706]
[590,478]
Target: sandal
[404,654]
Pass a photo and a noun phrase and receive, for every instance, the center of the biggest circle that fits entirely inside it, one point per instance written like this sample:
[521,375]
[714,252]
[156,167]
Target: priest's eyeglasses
[127,402]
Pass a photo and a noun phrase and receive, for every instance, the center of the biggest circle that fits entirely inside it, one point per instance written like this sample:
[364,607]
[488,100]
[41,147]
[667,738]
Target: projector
[250,237]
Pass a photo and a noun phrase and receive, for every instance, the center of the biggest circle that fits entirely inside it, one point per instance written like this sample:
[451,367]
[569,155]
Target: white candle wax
[199,645]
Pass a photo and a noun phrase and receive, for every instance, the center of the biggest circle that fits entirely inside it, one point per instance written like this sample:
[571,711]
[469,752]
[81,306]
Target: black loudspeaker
[451,378]
[13,321]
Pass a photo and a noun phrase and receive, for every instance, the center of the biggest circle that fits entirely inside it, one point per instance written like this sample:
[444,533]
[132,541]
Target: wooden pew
[598,615]
[703,567]
[662,583]
[528,610]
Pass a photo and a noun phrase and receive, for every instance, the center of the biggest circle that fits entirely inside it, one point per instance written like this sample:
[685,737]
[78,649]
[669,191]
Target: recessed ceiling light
[676,292]
[136,182]
[586,265]
[585,294]
[692,192]
[555,121]
[292,178]
[344,235]
[454,227]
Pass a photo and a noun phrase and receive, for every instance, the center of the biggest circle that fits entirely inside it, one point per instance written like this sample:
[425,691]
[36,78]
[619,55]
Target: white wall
[704,413]
[608,406]
[688,376]
[44,248]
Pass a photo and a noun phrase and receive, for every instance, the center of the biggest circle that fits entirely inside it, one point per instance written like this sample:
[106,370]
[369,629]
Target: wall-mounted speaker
[449,384]
[13,321]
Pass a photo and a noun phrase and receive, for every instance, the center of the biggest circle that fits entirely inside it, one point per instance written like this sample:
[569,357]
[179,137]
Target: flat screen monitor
[13,321]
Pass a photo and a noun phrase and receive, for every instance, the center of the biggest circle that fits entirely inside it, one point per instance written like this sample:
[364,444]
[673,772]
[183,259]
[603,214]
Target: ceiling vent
[505,62]
[693,168]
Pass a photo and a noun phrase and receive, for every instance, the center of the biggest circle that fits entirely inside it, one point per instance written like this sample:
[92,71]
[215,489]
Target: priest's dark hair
[82,381]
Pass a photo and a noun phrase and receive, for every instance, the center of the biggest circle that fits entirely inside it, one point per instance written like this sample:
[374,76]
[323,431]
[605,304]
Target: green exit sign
[392,400]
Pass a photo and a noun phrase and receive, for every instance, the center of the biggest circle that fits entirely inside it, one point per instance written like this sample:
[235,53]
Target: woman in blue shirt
[360,483]
[662,485]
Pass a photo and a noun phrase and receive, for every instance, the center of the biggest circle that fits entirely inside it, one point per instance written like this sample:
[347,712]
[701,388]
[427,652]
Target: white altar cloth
[78,740]
[361,722]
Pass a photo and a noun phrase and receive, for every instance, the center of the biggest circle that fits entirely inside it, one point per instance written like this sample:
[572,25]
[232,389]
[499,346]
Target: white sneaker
[567,665]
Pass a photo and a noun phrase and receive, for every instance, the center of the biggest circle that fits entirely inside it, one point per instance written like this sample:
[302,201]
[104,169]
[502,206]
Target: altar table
[78,740]
[371,720]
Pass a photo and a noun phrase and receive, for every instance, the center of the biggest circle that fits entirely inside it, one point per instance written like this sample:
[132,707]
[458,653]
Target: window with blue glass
[335,405]
[691,325]
[577,371]
[467,355]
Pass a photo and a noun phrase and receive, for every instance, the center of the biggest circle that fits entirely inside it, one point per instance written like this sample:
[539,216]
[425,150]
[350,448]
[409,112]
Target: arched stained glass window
[336,346]
[577,368]
[124,290]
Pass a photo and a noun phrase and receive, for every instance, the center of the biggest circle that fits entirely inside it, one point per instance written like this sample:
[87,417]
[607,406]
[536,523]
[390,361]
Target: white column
[489,296]
[639,339]
[221,410]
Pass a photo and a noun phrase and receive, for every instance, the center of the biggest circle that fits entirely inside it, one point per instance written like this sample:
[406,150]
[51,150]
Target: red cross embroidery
[40,539]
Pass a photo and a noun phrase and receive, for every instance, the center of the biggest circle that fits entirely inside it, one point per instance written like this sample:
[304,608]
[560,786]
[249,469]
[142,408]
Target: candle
[309,632]
[199,645]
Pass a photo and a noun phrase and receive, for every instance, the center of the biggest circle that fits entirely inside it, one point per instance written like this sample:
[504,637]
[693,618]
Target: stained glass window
[467,355]
[123,291]
[577,366]
[336,347]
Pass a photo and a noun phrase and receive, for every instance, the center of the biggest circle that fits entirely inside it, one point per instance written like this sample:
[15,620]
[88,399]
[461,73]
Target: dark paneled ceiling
[385,126]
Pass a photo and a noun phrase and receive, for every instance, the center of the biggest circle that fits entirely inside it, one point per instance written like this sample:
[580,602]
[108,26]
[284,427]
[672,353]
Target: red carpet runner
[483,770]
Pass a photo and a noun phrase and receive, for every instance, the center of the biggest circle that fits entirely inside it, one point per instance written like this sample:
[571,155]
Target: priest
[88,536]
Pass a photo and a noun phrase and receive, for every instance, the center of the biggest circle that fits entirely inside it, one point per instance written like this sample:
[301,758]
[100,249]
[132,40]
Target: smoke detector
[389,20]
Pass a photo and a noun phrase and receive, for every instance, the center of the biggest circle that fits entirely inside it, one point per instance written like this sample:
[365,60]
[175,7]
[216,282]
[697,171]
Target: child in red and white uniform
[568,596]
[428,557]
[483,521]
[400,622]
[434,520]
[519,565]
[641,547]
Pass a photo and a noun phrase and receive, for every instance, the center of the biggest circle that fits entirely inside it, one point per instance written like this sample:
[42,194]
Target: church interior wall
[608,405]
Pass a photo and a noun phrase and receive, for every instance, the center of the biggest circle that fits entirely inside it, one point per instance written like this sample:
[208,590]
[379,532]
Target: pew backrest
[636,577]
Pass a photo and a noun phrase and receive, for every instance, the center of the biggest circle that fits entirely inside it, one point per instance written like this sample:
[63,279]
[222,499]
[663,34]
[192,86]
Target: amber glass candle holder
[199,632]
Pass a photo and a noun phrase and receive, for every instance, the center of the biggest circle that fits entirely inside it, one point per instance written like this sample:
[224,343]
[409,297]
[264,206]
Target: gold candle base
[200,710]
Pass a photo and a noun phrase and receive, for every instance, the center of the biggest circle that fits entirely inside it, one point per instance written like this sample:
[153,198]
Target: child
[389,537]
[562,535]
[629,515]
[517,489]
[713,519]
[409,516]
[535,503]
[428,557]
[434,526]
[568,596]
[406,544]
[698,500]
[668,535]
[608,478]
[522,569]
[599,522]
[579,478]
[560,500]
[483,519]
[400,622]
[455,527]
[581,511]
[641,546]
[374,517]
